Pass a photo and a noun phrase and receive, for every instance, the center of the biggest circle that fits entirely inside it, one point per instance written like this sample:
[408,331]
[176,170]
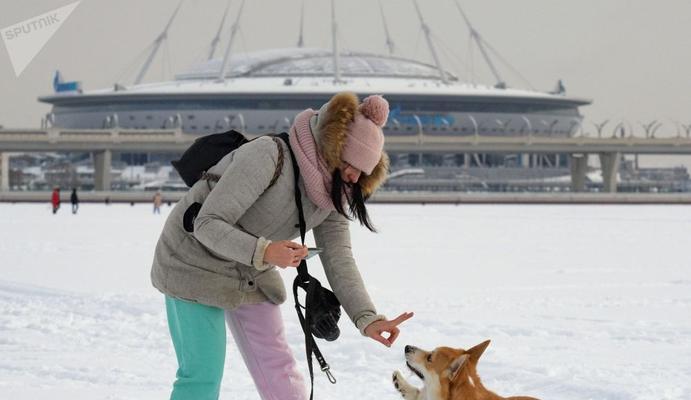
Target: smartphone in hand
[312,251]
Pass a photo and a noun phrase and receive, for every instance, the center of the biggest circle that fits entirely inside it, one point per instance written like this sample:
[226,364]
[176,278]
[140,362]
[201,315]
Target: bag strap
[306,282]
[302,268]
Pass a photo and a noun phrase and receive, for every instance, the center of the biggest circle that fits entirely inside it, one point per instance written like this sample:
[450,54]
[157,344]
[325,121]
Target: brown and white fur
[448,374]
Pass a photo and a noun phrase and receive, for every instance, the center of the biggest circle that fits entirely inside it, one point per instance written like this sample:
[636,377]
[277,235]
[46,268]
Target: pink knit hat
[364,140]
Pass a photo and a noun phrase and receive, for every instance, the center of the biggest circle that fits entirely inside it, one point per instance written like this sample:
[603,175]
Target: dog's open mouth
[415,371]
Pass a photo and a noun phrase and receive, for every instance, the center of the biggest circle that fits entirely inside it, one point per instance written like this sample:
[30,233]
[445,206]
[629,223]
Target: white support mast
[157,43]
[389,42]
[475,35]
[226,55]
[334,33]
[217,38]
[301,42]
[425,29]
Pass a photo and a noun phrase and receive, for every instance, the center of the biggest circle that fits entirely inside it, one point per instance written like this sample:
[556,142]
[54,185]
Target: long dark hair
[354,199]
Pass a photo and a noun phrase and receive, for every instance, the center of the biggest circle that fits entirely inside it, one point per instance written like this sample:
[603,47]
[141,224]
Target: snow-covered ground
[581,302]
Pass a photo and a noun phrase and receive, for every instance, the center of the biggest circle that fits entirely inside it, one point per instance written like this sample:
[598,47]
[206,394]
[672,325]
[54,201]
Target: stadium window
[131,117]
[149,117]
[191,116]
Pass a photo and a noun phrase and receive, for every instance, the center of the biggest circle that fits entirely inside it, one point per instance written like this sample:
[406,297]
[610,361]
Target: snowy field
[581,302]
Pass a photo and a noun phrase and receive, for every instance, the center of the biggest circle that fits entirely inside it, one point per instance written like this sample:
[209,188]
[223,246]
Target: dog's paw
[397,377]
[408,392]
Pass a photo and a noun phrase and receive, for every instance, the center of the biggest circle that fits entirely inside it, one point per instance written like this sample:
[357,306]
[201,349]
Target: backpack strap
[305,281]
[279,162]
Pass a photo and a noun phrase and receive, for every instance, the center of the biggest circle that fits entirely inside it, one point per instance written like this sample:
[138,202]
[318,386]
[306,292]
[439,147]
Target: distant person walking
[74,199]
[158,200]
[55,199]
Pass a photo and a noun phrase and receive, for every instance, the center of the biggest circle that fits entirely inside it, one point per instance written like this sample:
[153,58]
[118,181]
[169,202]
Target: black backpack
[205,152]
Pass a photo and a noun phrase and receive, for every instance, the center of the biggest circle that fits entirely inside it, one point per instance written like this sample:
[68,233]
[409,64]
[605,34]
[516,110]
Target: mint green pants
[199,337]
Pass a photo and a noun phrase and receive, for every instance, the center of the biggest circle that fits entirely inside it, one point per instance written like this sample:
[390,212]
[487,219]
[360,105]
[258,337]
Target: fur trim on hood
[334,119]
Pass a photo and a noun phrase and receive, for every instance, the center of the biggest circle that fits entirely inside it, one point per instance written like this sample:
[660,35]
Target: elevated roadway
[102,142]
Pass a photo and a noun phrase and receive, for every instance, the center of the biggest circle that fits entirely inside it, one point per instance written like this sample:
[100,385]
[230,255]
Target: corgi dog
[448,374]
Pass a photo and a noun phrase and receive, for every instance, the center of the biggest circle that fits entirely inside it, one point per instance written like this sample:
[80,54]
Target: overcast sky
[631,57]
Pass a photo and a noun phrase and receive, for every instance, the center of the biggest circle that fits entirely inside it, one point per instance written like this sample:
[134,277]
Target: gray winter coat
[220,263]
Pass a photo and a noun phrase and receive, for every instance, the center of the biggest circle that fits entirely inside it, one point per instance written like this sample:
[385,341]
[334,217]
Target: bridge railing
[53,134]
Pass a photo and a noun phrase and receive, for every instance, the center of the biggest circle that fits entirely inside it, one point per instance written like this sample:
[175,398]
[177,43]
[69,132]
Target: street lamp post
[600,127]
[650,129]
[687,128]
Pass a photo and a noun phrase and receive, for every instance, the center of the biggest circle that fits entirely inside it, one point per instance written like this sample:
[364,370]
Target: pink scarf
[312,165]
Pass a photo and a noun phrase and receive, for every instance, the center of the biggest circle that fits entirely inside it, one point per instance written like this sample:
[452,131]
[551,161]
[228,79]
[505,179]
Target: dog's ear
[477,350]
[456,366]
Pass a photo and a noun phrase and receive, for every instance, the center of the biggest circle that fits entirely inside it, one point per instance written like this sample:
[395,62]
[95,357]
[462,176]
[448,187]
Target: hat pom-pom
[376,108]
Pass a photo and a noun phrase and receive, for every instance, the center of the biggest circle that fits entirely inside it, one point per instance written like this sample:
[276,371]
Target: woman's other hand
[376,328]
[285,253]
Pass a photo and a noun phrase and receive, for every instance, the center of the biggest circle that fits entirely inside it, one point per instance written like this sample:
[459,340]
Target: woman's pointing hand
[376,328]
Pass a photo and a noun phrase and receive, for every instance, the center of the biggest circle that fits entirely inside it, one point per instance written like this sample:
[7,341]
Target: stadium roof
[299,62]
